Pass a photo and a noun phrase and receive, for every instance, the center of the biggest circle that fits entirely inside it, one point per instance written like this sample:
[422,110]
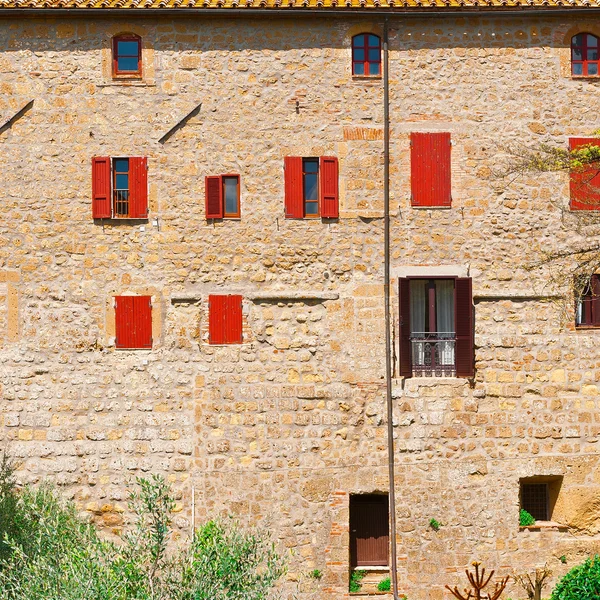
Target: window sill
[114,220]
[372,568]
[367,78]
[126,83]
[431,207]
[591,77]
[546,525]
[587,327]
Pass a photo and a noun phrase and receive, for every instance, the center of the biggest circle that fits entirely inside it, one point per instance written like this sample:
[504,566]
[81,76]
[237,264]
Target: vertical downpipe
[386,291]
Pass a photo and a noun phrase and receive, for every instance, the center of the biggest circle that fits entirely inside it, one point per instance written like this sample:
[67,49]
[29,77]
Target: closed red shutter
[213,194]
[101,187]
[233,320]
[133,320]
[294,199]
[430,169]
[585,182]
[138,187]
[328,180]
[405,344]
[465,332]
[217,309]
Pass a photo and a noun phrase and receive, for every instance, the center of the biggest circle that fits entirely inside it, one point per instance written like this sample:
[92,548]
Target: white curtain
[418,304]
[444,317]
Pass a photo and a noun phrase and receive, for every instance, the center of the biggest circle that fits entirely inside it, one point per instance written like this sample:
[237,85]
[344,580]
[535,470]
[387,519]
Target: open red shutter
[328,179]
[138,187]
[233,320]
[213,193]
[585,182]
[465,333]
[217,309]
[101,187]
[133,320]
[405,345]
[430,169]
[294,200]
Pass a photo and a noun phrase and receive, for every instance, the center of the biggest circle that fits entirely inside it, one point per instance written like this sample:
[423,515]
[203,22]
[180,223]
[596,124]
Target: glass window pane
[311,165]
[127,48]
[374,54]
[359,40]
[373,40]
[358,54]
[577,69]
[127,63]
[592,69]
[310,186]
[121,165]
[311,208]
[122,182]
[577,40]
[592,54]
[374,69]
[592,41]
[576,54]
[359,68]
[231,194]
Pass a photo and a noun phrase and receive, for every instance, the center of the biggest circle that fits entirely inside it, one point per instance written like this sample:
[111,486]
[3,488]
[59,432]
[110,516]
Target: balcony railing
[433,354]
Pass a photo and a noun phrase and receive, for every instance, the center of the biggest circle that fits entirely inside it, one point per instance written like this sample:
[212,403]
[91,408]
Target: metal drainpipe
[386,292]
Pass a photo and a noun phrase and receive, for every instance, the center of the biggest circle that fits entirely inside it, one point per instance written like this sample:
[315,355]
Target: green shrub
[434,524]
[56,555]
[355,580]
[580,583]
[316,574]
[385,585]
[525,519]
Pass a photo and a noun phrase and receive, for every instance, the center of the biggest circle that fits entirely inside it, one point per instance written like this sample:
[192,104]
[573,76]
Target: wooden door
[369,530]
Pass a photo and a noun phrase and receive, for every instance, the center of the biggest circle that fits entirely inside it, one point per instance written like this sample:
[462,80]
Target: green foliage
[580,583]
[355,580]
[315,574]
[385,585]
[435,525]
[56,555]
[525,519]
[563,559]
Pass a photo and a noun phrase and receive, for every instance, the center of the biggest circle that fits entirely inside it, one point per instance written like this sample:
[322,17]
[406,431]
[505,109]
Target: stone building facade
[283,429]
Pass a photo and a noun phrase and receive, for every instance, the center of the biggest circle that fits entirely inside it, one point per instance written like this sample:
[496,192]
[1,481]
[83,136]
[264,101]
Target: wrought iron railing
[433,354]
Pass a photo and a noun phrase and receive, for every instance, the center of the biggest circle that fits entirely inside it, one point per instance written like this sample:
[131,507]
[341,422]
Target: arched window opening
[584,54]
[366,55]
[127,55]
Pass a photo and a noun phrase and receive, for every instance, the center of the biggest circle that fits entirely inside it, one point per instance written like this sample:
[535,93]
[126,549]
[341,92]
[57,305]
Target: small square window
[587,309]
[222,197]
[127,56]
[538,495]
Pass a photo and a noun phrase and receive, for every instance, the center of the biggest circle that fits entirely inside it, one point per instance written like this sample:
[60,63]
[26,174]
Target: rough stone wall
[281,429]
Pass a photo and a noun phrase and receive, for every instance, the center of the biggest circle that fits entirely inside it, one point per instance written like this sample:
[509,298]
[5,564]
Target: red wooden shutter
[294,199]
[213,193]
[138,187]
[369,530]
[585,182]
[430,169]
[133,319]
[405,344]
[328,180]
[217,309]
[101,187]
[233,320]
[465,335]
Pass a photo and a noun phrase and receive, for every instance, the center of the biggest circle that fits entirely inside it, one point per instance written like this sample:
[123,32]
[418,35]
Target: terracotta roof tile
[316,5]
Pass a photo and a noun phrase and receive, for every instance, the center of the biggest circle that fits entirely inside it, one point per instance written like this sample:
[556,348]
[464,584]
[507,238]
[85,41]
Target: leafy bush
[434,524]
[355,580]
[57,555]
[385,585]
[316,574]
[525,519]
[580,583]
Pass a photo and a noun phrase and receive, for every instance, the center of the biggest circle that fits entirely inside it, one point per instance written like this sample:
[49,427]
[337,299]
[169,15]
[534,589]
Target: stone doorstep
[370,581]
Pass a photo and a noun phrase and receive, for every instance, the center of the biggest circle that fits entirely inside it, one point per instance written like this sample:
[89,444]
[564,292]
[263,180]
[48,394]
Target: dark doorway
[369,530]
